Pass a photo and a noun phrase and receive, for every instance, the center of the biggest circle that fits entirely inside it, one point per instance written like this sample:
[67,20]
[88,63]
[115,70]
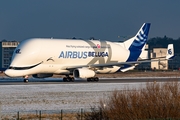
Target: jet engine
[42,75]
[83,73]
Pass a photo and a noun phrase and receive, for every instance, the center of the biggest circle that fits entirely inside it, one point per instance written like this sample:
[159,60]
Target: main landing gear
[71,79]
[93,79]
[68,79]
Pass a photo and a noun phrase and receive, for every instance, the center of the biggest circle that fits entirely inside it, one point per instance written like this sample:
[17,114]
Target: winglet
[170,52]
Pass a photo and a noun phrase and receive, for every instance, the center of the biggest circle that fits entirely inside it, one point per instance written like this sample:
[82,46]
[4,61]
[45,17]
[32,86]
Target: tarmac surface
[54,94]
[128,77]
[19,81]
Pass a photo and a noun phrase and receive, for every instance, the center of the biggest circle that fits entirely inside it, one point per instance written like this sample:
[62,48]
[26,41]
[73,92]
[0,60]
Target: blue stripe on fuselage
[132,57]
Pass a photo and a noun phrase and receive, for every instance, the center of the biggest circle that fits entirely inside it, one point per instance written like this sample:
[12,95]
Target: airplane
[81,59]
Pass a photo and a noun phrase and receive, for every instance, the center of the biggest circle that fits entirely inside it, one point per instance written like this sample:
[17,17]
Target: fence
[63,114]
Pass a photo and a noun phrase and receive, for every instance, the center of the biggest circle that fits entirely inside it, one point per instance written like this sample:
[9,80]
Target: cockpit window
[24,68]
[18,51]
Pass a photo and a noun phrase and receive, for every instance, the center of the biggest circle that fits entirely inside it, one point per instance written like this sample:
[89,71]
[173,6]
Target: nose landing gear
[26,79]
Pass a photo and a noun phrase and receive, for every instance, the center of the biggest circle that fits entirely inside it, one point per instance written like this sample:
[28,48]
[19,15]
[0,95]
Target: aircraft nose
[14,73]
[8,73]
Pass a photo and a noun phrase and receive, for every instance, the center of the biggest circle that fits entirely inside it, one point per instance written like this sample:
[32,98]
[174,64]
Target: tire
[26,80]
[64,79]
[96,79]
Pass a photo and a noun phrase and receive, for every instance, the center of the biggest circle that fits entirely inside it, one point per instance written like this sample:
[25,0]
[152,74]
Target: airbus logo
[82,54]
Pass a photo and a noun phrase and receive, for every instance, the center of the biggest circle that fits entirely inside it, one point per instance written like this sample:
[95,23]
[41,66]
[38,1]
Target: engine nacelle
[42,75]
[83,73]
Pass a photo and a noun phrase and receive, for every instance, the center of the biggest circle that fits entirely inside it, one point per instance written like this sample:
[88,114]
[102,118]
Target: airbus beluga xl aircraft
[42,57]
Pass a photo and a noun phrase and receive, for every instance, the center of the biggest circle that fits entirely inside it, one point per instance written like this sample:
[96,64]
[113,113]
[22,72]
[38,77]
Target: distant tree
[4,40]
[162,42]
[92,38]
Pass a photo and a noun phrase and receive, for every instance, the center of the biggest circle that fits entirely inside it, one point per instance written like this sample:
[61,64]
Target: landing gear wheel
[64,79]
[26,80]
[68,79]
[93,79]
[96,79]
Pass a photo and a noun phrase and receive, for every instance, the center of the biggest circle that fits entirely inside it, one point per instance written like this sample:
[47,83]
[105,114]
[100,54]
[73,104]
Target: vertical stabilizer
[136,44]
[140,39]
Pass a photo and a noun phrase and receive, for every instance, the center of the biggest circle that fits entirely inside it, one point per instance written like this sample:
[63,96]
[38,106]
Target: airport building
[6,52]
[159,64]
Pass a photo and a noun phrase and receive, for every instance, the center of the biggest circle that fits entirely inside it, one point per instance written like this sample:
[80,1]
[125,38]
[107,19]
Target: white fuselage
[54,55]
[42,57]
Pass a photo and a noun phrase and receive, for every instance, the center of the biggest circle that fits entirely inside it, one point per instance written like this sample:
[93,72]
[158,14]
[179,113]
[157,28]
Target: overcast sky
[102,19]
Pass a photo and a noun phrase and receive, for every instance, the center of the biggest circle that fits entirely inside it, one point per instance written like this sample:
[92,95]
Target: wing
[126,65]
[109,65]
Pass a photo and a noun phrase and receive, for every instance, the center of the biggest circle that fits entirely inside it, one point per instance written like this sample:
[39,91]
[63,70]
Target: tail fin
[139,40]
[170,52]
[136,44]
